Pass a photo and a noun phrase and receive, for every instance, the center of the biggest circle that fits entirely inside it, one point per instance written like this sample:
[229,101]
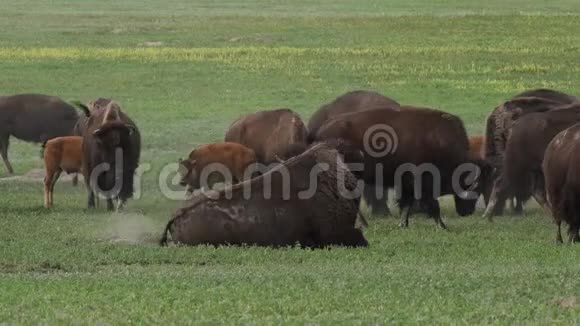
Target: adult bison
[423,153]
[33,118]
[522,174]
[501,119]
[273,135]
[287,205]
[355,101]
[111,150]
[560,168]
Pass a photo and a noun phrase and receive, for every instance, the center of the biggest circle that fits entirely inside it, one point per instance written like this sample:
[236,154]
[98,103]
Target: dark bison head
[472,183]
[113,134]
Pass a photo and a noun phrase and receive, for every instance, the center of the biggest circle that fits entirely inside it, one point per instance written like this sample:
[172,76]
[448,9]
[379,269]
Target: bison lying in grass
[297,202]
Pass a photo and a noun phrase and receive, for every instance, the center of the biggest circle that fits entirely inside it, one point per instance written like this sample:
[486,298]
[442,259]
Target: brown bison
[283,207]
[350,102]
[422,153]
[33,118]
[560,168]
[501,119]
[60,154]
[111,150]
[213,159]
[273,135]
[522,166]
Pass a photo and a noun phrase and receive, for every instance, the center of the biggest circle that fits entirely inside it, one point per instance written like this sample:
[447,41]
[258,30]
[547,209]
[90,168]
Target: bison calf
[213,159]
[562,177]
[60,154]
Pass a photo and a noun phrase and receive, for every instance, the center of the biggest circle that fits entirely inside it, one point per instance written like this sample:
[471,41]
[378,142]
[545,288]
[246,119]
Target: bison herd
[288,183]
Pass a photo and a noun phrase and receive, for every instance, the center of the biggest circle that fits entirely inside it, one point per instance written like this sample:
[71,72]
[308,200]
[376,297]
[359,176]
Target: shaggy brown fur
[521,170]
[501,119]
[110,131]
[236,158]
[421,135]
[285,218]
[273,135]
[350,102]
[560,168]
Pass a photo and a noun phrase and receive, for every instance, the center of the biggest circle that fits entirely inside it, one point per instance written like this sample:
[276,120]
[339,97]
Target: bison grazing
[522,174]
[221,161]
[501,119]
[273,135]
[421,152]
[293,203]
[60,154]
[33,118]
[350,102]
[111,150]
[560,168]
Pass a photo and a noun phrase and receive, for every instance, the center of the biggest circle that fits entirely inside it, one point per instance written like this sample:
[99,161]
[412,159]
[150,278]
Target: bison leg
[91,199]
[495,205]
[559,232]
[75,180]
[378,206]
[110,206]
[405,206]
[518,209]
[433,209]
[4,144]
[120,205]
[573,235]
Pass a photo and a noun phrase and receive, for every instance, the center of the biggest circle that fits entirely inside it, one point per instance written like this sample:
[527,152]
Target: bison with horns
[111,150]
[311,200]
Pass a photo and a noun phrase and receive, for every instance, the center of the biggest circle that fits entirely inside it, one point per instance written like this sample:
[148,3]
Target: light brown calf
[233,156]
[60,154]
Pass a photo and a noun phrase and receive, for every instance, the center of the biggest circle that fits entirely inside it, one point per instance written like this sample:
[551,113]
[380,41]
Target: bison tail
[42,148]
[163,240]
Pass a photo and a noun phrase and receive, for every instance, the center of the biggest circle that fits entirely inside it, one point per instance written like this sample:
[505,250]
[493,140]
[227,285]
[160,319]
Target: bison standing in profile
[522,175]
[33,118]
[273,135]
[499,124]
[355,101]
[422,153]
[310,200]
[111,150]
[560,168]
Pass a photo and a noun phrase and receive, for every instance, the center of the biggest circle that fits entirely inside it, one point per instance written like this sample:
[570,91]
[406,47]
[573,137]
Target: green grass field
[185,70]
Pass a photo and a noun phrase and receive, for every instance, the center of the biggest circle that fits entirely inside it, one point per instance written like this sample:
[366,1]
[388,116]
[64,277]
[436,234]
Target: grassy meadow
[183,70]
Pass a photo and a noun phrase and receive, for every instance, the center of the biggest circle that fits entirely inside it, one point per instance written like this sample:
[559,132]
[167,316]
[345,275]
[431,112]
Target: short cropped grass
[185,70]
